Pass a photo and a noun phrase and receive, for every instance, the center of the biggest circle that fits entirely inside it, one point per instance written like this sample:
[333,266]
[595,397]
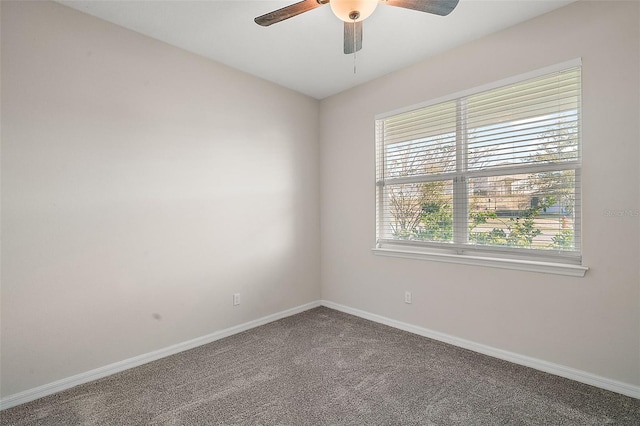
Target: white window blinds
[497,170]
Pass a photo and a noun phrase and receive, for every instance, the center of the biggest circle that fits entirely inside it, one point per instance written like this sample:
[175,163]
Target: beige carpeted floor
[326,367]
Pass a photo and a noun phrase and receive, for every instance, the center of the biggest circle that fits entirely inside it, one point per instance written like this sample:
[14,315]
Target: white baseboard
[548,367]
[107,370]
[559,370]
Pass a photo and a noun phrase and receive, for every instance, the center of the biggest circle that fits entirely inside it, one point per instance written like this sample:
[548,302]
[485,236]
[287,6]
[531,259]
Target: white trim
[470,174]
[495,262]
[559,370]
[490,86]
[538,364]
[107,370]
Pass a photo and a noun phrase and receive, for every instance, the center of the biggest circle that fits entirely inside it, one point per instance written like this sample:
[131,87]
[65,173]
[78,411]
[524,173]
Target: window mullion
[460,196]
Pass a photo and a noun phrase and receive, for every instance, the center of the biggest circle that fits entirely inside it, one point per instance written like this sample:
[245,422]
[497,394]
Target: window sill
[493,262]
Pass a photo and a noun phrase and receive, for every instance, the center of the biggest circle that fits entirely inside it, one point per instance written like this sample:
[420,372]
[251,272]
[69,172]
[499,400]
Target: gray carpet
[326,367]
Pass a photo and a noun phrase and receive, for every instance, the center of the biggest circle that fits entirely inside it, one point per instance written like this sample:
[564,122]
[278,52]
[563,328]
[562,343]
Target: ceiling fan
[353,12]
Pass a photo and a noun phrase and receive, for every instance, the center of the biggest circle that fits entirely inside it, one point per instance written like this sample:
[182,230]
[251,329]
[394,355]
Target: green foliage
[480,217]
[437,221]
[564,240]
[436,224]
[494,237]
[522,231]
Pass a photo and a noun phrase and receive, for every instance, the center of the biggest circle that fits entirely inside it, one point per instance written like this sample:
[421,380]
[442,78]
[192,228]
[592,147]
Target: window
[492,173]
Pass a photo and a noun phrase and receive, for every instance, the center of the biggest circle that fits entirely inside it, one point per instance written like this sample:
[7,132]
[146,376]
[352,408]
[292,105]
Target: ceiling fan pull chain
[354,45]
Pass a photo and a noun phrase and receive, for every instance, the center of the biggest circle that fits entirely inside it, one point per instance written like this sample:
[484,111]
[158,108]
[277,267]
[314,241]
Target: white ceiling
[304,53]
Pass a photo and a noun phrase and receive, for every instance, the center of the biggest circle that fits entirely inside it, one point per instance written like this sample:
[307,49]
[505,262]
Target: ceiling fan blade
[288,12]
[437,7]
[351,30]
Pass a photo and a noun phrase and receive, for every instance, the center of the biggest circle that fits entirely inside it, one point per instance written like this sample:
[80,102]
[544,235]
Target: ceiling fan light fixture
[353,10]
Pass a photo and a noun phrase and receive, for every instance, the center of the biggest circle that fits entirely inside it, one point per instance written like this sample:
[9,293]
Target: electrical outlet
[407,297]
[236,299]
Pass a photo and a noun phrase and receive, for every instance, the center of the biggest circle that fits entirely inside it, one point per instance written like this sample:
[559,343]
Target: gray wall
[590,324]
[138,179]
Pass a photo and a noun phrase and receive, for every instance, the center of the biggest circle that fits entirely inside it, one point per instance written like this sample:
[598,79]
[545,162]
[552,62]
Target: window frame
[546,261]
